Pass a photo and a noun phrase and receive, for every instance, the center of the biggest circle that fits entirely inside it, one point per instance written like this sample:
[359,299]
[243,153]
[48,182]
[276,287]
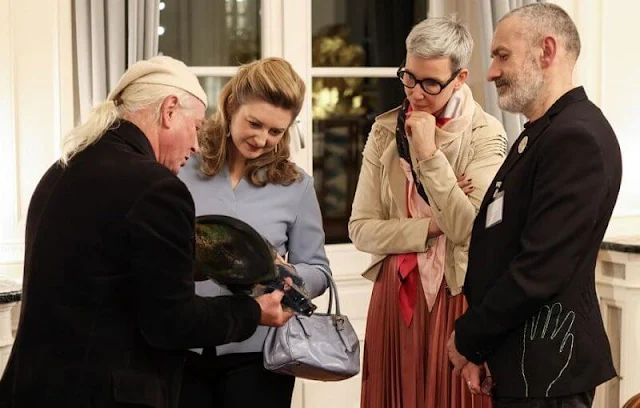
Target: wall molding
[8,135]
[36,109]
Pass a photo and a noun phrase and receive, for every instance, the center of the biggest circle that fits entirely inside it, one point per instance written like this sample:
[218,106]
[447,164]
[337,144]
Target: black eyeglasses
[429,85]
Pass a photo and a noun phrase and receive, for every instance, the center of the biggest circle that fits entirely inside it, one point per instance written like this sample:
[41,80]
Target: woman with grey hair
[426,167]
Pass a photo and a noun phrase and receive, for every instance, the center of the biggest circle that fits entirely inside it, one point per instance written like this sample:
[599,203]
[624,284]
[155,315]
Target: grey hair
[442,37]
[544,19]
[134,98]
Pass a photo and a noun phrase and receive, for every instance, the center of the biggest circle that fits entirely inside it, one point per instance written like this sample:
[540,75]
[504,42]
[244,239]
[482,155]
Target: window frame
[286,32]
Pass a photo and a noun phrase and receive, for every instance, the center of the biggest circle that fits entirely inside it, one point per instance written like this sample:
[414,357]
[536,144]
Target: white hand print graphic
[549,331]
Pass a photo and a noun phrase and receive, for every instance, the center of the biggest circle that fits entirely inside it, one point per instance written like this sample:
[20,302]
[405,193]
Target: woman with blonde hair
[245,172]
[426,167]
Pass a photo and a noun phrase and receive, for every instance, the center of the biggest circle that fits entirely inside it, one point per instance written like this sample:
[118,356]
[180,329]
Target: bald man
[534,316]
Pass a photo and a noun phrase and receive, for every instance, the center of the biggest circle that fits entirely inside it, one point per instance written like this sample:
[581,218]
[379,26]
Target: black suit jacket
[534,314]
[108,304]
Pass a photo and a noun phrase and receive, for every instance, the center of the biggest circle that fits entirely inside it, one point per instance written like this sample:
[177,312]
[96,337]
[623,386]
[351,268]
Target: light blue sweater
[288,216]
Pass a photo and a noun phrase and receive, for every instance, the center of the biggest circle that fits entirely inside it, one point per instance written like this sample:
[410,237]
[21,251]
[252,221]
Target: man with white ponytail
[109,306]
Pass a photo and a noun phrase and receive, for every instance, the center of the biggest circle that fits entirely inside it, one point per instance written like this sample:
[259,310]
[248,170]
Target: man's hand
[472,375]
[272,312]
[477,378]
[421,132]
[457,359]
[487,384]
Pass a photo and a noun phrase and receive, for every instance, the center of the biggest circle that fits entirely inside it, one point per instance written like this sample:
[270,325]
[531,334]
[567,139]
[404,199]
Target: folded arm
[453,210]
[370,228]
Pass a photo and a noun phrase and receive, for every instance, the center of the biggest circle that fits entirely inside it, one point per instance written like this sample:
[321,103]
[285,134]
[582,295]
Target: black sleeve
[170,315]
[566,201]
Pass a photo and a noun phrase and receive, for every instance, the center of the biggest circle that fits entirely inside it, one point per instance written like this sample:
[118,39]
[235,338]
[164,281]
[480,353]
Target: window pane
[210,32]
[212,86]
[352,33]
[343,111]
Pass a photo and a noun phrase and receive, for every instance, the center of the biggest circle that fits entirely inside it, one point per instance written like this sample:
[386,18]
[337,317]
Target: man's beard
[521,90]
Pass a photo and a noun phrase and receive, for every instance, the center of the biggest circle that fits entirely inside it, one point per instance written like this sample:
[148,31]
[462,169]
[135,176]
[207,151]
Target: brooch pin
[523,144]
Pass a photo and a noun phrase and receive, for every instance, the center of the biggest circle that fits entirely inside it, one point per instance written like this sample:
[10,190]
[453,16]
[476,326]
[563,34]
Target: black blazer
[108,304]
[534,313]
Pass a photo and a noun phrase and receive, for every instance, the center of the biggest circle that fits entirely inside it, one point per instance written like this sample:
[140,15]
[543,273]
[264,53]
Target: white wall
[35,109]
[608,68]
[620,88]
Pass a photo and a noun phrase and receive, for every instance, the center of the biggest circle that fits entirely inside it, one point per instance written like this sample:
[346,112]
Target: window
[212,36]
[347,51]
[357,46]
[208,33]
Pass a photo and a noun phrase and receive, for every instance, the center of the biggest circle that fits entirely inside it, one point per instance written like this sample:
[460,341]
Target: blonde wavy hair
[270,80]
[134,98]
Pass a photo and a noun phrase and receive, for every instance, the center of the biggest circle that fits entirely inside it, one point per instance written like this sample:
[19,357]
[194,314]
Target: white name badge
[494,211]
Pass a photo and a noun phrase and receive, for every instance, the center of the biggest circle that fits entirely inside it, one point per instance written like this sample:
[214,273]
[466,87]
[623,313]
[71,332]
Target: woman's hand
[465,184]
[421,132]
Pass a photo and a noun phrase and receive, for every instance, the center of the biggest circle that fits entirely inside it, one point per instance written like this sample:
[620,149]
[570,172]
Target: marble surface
[622,244]
[9,291]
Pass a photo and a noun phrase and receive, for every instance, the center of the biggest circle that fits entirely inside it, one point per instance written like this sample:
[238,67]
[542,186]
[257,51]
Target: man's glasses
[429,85]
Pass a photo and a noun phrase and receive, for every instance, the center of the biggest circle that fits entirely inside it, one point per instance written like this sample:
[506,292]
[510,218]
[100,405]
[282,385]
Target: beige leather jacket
[379,223]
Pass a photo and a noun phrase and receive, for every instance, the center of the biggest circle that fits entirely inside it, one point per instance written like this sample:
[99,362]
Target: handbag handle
[333,290]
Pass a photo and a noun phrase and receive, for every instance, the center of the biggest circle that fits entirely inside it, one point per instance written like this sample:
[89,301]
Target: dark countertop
[10,291]
[629,244]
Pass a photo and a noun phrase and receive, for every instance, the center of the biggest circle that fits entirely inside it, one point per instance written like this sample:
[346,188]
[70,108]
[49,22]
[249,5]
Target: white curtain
[491,11]
[109,37]
[482,16]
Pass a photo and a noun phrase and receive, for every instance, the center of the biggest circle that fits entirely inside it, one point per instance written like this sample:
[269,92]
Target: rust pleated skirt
[408,367]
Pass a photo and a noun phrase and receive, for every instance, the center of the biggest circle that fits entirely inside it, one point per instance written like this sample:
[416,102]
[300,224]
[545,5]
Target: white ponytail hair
[134,98]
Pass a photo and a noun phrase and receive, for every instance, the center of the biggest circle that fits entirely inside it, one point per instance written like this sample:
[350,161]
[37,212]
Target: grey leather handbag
[318,347]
